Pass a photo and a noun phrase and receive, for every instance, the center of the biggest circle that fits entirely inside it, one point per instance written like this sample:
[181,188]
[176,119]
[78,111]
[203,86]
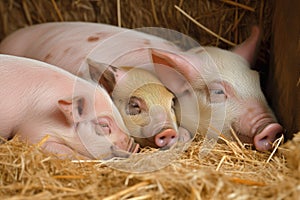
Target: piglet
[225,84]
[38,99]
[145,103]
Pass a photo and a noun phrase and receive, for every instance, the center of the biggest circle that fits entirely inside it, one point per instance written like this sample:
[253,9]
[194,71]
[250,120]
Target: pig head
[96,132]
[146,106]
[224,83]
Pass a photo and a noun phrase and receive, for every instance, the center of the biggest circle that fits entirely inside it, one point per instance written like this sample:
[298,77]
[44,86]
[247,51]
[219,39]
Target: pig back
[67,44]
[62,44]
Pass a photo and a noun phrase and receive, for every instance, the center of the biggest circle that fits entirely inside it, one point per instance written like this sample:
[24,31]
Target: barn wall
[284,73]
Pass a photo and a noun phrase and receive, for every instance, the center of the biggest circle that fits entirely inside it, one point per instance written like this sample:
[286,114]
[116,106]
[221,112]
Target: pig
[147,110]
[224,81]
[38,99]
[227,91]
[147,105]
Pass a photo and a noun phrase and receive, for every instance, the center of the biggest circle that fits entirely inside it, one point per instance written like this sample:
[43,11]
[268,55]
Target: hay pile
[228,172]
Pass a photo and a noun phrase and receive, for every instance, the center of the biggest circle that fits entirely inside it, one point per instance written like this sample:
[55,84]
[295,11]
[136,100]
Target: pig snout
[164,135]
[263,140]
[260,124]
[160,135]
[165,138]
[161,131]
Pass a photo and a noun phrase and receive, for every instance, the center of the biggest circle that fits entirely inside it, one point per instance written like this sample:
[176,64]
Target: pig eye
[217,91]
[134,106]
[103,127]
[217,96]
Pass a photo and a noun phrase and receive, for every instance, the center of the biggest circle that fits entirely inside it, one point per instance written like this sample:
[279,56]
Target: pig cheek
[136,124]
[204,101]
[235,120]
[233,107]
[140,119]
[103,146]
[204,111]
[118,138]
[207,108]
[94,144]
[173,117]
[240,132]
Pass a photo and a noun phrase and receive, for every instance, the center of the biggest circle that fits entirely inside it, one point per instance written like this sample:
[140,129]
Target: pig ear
[173,70]
[249,48]
[105,75]
[74,109]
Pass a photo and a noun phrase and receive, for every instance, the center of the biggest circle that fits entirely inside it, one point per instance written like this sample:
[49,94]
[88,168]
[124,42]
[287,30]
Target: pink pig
[227,91]
[39,99]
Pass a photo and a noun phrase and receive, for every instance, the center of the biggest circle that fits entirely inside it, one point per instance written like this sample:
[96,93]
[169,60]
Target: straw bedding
[229,171]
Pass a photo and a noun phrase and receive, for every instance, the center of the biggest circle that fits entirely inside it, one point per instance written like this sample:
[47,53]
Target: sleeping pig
[225,83]
[227,91]
[39,99]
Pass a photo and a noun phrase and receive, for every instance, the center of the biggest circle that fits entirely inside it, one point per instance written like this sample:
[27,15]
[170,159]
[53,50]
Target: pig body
[67,45]
[227,90]
[39,99]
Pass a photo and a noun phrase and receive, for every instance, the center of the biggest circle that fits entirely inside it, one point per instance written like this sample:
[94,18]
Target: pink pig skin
[67,44]
[39,99]
[232,85]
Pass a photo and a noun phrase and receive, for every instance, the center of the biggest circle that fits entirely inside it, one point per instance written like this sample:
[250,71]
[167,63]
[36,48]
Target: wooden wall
[283,86]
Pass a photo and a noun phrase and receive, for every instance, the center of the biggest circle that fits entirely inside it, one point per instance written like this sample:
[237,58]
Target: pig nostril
[264,140]
[162,138]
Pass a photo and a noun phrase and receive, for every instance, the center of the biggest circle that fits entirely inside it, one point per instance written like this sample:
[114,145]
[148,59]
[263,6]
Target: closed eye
[102,126]
[217,91]
[217,96]
[220,91]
